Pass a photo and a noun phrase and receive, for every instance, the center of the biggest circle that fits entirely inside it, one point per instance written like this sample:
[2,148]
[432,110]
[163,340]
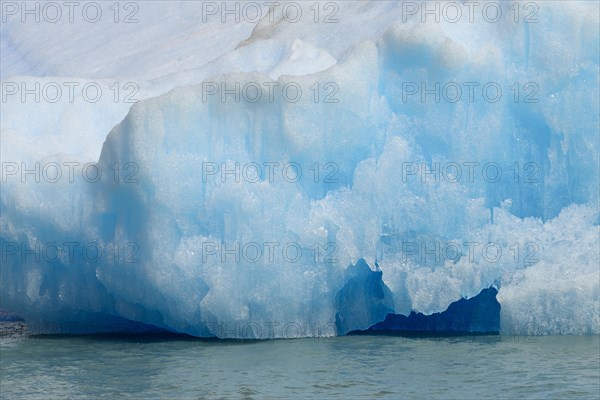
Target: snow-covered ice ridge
[192,248]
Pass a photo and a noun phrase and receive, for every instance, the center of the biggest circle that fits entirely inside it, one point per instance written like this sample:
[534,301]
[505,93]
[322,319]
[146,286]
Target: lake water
[374,367]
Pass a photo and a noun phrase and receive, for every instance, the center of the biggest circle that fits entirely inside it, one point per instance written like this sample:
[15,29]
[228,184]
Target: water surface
[376,367]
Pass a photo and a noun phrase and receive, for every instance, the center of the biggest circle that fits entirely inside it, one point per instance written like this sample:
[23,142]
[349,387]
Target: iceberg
[308,179]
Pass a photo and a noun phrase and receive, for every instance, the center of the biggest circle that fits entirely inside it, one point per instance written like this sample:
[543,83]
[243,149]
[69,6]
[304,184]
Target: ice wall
[187,234]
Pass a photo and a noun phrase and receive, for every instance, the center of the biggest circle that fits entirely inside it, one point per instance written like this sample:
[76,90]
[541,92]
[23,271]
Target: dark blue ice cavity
[363,300]
[479,314]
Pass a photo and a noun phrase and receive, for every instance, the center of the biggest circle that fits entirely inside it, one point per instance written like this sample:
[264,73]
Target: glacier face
[243,217]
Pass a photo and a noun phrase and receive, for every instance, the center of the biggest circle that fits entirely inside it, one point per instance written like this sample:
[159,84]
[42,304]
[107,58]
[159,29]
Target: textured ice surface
[547,229]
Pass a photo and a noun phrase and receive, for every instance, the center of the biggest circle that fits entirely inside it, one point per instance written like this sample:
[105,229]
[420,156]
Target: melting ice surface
[177,217]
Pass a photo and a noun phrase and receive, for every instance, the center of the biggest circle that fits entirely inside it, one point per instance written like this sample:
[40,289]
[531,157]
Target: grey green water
[373,367]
